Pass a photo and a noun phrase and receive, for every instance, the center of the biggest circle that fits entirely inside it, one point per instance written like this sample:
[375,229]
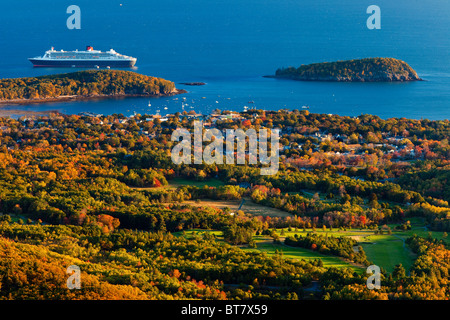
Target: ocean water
[231,44]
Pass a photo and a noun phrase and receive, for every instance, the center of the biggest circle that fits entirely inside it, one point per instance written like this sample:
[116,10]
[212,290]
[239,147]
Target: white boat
[83,59]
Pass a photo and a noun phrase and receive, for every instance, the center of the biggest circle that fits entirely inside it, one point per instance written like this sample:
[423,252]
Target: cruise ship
[89,58]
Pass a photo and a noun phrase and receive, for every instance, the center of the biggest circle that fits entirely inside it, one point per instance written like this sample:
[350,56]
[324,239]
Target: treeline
[369,126]
[140,265]
[432,182]
[338,246]
[427,280]
[57,161]
[149,265]
[437,217]
[84,83]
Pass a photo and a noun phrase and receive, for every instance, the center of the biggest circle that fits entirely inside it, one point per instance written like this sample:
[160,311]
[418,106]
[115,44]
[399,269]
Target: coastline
[336,80]
[28,113]
[193,83]
[81,98]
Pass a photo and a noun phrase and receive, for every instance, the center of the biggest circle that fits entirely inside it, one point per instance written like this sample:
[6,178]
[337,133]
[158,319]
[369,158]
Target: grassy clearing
[357,234]
[387,251]
[198,232]
[248,207]
[418,227]
[178,182]
[383,250]
[266,245]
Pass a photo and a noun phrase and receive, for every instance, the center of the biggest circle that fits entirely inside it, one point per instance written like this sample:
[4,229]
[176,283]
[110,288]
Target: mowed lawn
[387,251]
[356,234]
[198,232]
[248,207]
[267,246]
[178,182]
[384,250]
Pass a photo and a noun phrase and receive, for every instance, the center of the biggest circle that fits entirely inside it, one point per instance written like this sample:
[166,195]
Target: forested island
[83,84]
[357,70]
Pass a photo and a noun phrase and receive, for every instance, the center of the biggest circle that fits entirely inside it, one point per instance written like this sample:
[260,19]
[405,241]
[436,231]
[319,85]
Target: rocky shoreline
[84,98]
[386,78]
[193,83]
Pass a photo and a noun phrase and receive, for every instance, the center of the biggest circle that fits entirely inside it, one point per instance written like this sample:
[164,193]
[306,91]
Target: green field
[265,244]
[357,234]
[386,250]
[198,232]
[383,250]
[300,254]
[177,182]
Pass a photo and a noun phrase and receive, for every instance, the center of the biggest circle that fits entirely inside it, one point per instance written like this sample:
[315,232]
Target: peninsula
[358,70]
[83,85]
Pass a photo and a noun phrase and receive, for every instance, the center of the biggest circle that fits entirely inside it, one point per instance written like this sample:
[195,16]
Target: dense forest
[368,69]
[84,83]
[103,193]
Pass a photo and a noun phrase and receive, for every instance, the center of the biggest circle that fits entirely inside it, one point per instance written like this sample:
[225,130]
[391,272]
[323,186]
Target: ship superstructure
[88,58]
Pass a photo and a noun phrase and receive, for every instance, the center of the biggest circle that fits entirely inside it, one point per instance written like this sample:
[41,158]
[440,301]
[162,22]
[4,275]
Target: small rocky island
[83,85]
[358,70]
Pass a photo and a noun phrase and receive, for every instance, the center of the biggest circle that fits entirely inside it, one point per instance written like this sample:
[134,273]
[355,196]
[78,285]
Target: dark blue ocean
[231,44]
